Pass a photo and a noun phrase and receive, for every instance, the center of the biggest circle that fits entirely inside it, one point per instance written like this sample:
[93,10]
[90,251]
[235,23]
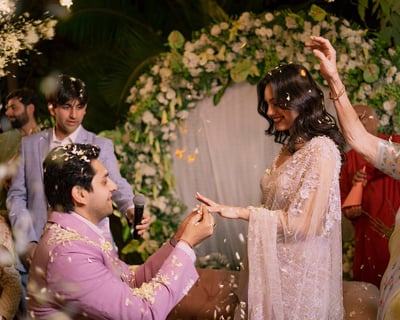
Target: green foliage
[387,12]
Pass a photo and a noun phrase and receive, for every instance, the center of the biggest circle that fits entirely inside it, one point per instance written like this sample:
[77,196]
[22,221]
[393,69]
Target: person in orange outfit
[373,220]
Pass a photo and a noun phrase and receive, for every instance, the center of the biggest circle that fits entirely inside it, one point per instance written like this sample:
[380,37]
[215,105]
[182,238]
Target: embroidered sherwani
[294,239]
[388,161]
[76,273]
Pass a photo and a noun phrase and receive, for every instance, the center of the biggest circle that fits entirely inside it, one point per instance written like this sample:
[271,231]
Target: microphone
[139,200]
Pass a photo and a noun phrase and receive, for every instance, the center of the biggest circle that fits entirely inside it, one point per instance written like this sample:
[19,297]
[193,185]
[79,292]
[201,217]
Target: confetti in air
[191,158]
[179,153]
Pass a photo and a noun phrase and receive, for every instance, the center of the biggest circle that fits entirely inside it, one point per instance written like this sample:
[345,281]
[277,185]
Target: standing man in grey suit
[67,100]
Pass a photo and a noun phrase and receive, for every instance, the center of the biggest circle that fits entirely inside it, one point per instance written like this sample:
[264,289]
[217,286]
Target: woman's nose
[270,110]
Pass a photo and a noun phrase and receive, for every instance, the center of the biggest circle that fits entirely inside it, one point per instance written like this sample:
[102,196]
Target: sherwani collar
[74,229]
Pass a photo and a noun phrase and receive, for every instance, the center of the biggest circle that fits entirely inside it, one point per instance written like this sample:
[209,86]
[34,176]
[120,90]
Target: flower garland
[231,52]
[20,34]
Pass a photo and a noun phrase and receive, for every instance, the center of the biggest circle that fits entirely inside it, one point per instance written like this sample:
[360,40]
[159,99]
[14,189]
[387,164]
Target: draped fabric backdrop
[231,152]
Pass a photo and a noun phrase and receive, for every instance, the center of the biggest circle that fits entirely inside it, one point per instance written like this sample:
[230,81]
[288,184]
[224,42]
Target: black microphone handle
[138,215]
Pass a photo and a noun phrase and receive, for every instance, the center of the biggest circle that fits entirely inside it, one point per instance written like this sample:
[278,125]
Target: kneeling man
[76,273]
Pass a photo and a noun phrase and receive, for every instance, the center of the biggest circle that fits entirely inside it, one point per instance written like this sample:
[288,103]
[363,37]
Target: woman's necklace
[283,155]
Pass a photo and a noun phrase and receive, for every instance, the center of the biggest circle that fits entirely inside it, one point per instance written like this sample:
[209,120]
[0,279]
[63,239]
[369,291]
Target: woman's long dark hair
[293,88]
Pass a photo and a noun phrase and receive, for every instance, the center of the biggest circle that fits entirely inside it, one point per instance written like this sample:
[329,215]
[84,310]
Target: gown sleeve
[388,158]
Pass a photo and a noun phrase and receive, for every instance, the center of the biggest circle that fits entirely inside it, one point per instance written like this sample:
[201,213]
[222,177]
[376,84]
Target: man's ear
[79,195]
[51,108]
[31,108]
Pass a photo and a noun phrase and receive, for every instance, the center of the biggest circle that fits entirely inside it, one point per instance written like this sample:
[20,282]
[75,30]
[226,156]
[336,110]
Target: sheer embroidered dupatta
[294,240]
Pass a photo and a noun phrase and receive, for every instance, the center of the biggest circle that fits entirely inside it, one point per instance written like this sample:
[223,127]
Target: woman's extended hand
[223,210]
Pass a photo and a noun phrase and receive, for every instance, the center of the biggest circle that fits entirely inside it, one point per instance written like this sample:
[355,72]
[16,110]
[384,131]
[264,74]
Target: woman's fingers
[204,200]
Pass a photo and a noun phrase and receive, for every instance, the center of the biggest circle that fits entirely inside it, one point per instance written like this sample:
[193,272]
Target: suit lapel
[44,146]
[82,136]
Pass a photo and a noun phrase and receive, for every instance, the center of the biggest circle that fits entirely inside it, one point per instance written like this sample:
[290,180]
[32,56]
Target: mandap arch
[222,56]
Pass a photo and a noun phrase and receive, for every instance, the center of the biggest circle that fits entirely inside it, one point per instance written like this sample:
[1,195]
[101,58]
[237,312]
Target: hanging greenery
[234,51]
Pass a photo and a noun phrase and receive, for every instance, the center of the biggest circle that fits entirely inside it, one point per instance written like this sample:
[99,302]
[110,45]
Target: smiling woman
[282,118]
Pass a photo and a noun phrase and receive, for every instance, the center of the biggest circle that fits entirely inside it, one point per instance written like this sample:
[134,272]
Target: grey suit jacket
[26,201]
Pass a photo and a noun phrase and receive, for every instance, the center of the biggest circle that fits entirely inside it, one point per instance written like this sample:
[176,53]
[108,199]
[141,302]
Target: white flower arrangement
[236,51]
[20,33]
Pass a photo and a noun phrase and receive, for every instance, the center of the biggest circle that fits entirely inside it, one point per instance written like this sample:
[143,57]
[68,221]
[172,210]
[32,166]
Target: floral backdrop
[234,51]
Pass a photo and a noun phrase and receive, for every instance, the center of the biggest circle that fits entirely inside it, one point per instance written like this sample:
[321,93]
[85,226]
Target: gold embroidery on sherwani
[148,290]
[63,235]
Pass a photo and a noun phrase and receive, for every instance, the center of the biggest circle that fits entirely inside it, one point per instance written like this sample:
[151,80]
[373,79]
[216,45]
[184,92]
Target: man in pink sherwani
[76,273]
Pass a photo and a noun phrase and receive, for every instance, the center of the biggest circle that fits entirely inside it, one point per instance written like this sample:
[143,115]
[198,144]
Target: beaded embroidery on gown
[294,239]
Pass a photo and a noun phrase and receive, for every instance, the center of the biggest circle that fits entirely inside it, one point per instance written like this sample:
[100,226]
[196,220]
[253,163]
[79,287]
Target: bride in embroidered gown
[294,237]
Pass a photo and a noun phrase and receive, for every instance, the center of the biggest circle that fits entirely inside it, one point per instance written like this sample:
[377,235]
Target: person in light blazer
[76,272]
[67,99]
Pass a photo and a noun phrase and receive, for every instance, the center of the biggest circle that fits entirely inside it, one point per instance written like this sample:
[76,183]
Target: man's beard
[20,121]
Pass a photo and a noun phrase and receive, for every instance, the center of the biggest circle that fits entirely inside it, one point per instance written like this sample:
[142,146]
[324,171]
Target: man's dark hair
[65,88]
[26,96]
[66,167]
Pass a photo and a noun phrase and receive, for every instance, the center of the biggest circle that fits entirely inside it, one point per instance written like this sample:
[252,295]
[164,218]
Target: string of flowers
[20,33]
[234,51]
